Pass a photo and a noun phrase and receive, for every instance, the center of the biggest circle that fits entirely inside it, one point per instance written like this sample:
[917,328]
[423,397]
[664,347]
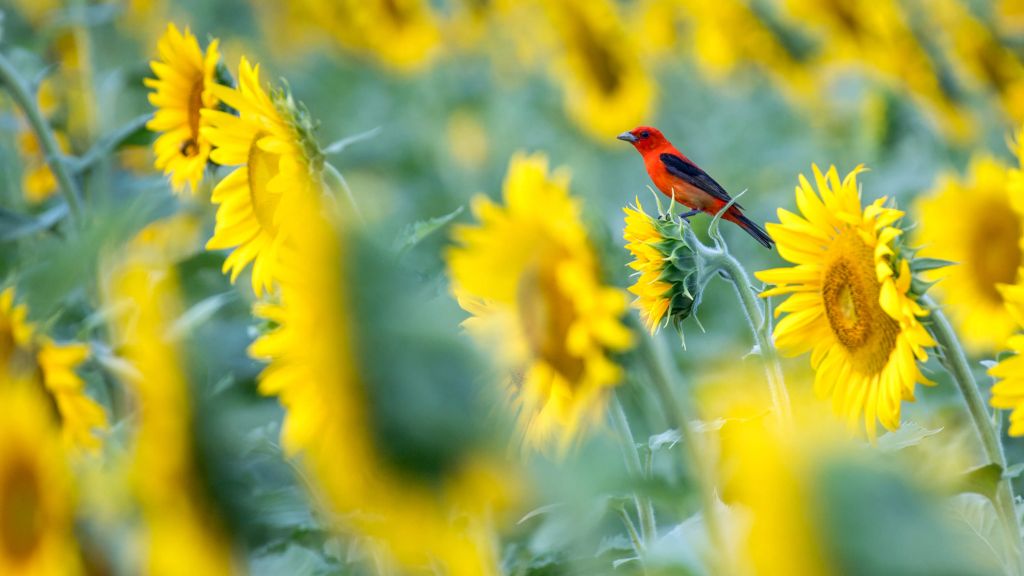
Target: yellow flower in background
[26,354]
[274,164]
[977,223]
[605,82]
[849,300]
[182,90]
[404,35]
[877,37]
[36,505]
[182,535]
[666,278]
[37,181]
[315,371]
[721,52]
[529,275]
[468,142]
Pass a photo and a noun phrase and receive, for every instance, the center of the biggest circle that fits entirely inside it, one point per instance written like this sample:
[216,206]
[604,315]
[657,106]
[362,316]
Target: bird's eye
[645,134]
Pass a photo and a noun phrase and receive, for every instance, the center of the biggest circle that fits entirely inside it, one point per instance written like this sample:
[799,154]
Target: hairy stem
[21,95]
[644,507]
[719,260]
[955,361]
[680,416]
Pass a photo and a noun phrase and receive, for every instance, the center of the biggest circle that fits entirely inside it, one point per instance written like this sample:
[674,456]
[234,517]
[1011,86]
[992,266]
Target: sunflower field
[511,287]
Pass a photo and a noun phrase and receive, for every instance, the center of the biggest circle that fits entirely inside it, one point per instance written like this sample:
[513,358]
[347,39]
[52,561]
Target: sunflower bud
[666,284]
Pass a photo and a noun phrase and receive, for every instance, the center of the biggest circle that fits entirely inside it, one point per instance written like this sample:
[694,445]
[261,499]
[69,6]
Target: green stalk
[680,416]
[955,361]
[21,95]
[719,260]
[644,508]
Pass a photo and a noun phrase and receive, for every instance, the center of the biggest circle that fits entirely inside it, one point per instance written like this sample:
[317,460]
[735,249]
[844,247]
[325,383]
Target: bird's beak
[627,137]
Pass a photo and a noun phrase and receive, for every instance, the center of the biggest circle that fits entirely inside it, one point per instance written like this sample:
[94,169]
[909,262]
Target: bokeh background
[755,91]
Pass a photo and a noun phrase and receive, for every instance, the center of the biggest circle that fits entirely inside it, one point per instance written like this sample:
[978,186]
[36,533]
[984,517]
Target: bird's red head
[644,138]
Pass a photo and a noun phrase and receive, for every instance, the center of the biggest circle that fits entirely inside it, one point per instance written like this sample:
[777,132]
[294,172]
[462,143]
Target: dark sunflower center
[546,315]
[262,167]
[602,64]
[994,248]
[190,147]
[850,293]
[21,514]
[395,11]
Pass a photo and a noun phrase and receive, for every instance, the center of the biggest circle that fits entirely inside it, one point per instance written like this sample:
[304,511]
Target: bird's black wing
[695,177]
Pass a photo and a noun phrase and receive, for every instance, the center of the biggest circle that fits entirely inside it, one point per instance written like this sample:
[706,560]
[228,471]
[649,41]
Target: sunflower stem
[644,507]
[25,100]
[680,416]
[720,260]
[955,361]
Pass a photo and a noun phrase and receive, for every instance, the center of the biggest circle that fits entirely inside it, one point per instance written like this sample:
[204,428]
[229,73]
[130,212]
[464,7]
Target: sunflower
[404,35]
[984,237]
[318,375]
[529,276]
[604,80]
[182,90]
[666,279]
[36,508]
[850,303]
[24,353]
[182,535]
[270,143]
[1008,391]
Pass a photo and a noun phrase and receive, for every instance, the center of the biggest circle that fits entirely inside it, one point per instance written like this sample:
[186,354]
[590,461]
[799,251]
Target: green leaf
[199,313]
[982,480]
[925,264]
[909,434]
[416,232]
[666,439]
[975,518]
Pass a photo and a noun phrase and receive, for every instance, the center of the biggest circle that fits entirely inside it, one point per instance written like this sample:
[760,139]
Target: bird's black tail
[754,230]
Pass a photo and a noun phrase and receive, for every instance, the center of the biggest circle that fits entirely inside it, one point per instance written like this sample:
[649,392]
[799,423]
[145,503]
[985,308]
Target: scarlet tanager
[683,181]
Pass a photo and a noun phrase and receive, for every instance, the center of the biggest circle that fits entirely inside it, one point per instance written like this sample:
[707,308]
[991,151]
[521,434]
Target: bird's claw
[689,215]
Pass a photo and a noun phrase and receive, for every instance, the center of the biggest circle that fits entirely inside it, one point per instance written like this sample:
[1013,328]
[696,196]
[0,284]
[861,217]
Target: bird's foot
[686,216]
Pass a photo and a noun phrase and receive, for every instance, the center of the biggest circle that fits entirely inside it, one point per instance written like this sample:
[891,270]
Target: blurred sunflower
[37,181]
[606,85]
[402,34]
[666,278]
[849,300]
[984,237]
[24,353]
[530,277]
[182,90]
[1008,391]
[182,534]
[36,507]
[430,514]
[270,142]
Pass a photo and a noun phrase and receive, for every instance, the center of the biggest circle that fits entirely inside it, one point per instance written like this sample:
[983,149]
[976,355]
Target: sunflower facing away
[316,372]
[666,278]
[36,509]
[276,160]
[24,353]
[182,90]
[529,276]
[983,237]
[849,300]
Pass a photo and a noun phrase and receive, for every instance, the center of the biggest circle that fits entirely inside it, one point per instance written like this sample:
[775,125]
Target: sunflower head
[666,285]
[849,301]
[528,269]
[26,354]
[271,143]
[36,511]
[182,90]
[984,237]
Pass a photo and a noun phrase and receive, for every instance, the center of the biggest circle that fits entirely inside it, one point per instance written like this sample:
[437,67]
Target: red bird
[683,181]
